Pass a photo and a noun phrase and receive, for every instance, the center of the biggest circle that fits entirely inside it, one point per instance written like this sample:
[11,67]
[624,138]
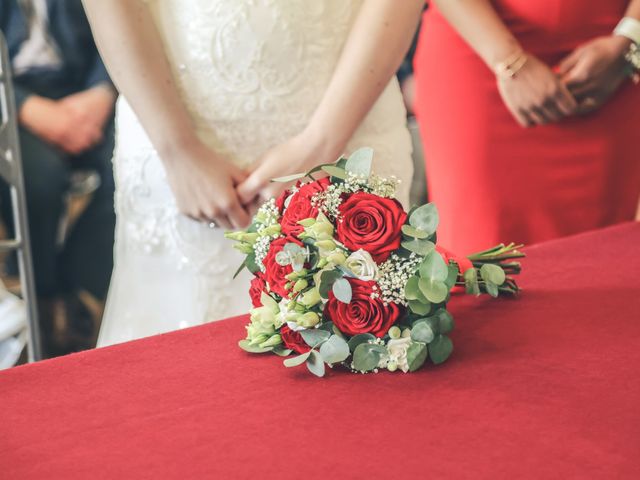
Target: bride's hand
[296,155]
[204,184]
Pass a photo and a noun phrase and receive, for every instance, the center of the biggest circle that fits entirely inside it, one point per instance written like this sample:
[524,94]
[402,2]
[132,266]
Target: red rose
[258,285]
[281,199]
[275,273]
[371,223]
[293,340]
[363,314]
[300,206]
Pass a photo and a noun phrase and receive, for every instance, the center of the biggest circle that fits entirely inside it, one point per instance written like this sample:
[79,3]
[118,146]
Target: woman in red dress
[528,118]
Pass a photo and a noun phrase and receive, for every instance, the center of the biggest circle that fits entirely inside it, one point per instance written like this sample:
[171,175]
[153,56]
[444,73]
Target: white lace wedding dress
[251,73]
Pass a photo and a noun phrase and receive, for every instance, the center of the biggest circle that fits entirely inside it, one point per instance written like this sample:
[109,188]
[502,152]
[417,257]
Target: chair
[11,172]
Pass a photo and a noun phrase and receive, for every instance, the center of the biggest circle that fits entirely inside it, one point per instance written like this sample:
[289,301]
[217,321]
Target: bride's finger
[250,188]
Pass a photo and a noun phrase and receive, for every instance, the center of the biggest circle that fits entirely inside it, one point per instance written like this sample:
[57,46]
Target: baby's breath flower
[394,275]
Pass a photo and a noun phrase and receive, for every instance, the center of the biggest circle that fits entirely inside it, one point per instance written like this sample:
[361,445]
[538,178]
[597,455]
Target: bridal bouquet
[343,275]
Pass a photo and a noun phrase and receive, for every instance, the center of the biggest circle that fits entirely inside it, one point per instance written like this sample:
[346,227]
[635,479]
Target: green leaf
[366,356]
[445,321]
[435,291]
[360,339]
[411,289]
[425,218]
[245,345]
[335,171]
[360,161]
[240,268]
[251,264]
[440,349]
[419,308]
[410,231]
[326,281]
[492,273]
[295,361]
[289,178]
[422,332]
[452,277]
[342,290]
[416,355]
[314,337]
[315,364]
[492,288]
[334,350]
[282,352]
[433,267]
[421,247]
[471,282]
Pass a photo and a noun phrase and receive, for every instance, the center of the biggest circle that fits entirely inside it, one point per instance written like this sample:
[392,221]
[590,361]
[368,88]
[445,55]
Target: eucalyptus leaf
[335,171]
[445,321]
[289,178]
[411,288]
[335,350]
[295,361]
[326,281]
[366,356]
[342,290]
[360,339]
[492,288]
[492,273]
[360,161]
[420,247]
[419,308]
[433,267]
[435,291]
[413,232]
[422,332]
[425,218]
[282,352]
[416,355]
[244,345]
[471,282]
[315,364]
[452,277]
[440,349]
[314,336]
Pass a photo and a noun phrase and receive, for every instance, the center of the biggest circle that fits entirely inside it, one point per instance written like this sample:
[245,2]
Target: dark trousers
[85,260]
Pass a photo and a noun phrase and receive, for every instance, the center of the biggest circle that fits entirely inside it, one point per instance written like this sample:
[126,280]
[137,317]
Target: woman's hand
[595,70]
[204,185]
[297,155]
[536,95]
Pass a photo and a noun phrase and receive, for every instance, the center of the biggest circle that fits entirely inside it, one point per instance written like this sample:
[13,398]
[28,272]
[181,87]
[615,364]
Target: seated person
[65,102]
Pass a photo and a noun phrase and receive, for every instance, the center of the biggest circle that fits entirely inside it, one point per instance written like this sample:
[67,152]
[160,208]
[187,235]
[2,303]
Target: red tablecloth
[546,386]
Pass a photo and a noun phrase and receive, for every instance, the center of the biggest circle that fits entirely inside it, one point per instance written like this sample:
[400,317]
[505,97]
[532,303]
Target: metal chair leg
[11,171]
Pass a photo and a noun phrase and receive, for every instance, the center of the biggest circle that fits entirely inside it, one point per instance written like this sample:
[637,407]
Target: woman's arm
[133,51]
[375,47]
[535,95]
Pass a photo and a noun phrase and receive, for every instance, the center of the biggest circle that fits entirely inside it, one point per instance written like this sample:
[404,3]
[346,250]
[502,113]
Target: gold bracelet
[510,67]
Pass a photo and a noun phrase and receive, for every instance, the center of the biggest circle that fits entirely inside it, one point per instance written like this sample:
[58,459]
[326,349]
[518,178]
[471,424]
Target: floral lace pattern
[251,72]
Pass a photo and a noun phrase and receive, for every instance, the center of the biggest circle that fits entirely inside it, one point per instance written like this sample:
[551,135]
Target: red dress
[494,181]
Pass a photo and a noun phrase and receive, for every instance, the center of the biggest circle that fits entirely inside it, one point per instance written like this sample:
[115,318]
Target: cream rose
[362,265]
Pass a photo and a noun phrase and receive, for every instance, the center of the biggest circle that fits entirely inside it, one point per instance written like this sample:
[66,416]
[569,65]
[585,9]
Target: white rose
[362,265]
[397,348]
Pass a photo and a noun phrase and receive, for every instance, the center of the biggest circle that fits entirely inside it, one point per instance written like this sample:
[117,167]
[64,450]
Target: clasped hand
[581,83]
[210,189]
